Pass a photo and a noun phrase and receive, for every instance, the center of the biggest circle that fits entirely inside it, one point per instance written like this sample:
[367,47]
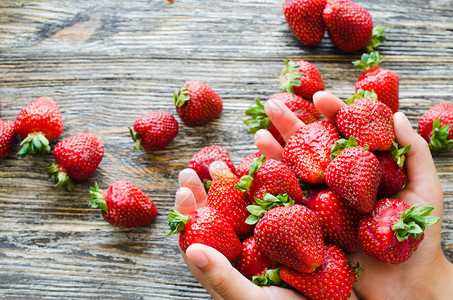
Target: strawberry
[76,157]
[207,226]
[154,130]
[393,230]
[269,176]
[308,151]
[303,109]
[292,236]
[196,103]
[394,175]
[123,204]
[369,121]
[201,160]
[350,26]
[436,127]
[252,262]
[384,82]
[301,78]
[354,174]
[304,18]
[339,222]
[7,135]
[332,280]
[38,124]
[244,166]
[229,201]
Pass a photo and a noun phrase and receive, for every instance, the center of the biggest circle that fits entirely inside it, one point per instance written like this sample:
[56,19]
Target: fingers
[188,178]
[185,201]
[327,104]
[268,145]
[282,117]
[217,167]
[219,275]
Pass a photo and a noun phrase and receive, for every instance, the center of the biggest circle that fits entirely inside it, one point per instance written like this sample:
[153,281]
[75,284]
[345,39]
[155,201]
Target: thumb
[220,278]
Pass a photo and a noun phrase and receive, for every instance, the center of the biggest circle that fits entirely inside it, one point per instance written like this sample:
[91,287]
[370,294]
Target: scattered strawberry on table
[123,204]
[38,124]
[76,157]
[154,130]
[436,127]
[7,136]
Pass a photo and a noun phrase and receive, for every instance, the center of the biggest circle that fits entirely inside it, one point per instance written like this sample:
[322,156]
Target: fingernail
[184,201]
[197,257]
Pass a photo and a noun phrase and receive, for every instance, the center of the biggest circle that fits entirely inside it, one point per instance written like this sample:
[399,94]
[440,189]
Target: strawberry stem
[398,154]
[176,221]
[36,144]
[62,179]
[377,38]
[136,138]
[258,118]
[97,198]
[414,221]
[439,141]
[369,61]
[269,201]
[181,96]
[270,277]
[246,181]
[289,77]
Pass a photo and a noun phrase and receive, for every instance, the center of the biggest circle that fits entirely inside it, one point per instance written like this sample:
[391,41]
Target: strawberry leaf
[369,61]
[414,221]
[377,38]
[289,77]
[246,181]
[262,206]
[270,277]
[258,118]
[36,144]
[342,144]
[62,179]
[176,221]
[97,198]
[136,138]
[181,96]
[398,154]
[362,94]
[439,141]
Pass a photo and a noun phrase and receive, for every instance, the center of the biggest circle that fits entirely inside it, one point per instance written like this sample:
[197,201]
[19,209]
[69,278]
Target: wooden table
[106,62]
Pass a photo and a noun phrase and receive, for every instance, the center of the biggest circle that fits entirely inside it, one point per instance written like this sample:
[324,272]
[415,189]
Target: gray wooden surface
[106,62]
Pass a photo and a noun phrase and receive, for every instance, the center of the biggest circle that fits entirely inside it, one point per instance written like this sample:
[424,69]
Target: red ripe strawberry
[308,151]
[7,135]
[201,160]
[355,175]
[205,226]
[38,124]
[305,20]
[301,78]
[392,231]
[244,166]
[302,109]
[123,204]
[76,157]
[229,201]
[269,176]
[196,103]
[331,281]
[369,121]
[339,222]
[252,261]
[394,175]
[436,127]
[384,82]
[154,130]
[349,25]
[292,236]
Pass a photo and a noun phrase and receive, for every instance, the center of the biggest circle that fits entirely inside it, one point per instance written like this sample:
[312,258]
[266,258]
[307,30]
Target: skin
[427,275]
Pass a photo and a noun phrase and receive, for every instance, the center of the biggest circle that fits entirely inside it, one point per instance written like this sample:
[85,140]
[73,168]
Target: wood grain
[106,62]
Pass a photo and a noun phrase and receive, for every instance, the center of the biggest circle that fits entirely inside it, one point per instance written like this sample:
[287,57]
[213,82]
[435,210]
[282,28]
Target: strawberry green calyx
[97,198]
[63,181]
[398,154]
[439,137]
[181,96]
[362,94]
[289,77]
[36,144]
[342,144]
[258,118]
[358,270]
[369,61]
[270,277]
[269,201]
[176,221]
[414,221]
[136,138]
[246,181]
[377,38]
